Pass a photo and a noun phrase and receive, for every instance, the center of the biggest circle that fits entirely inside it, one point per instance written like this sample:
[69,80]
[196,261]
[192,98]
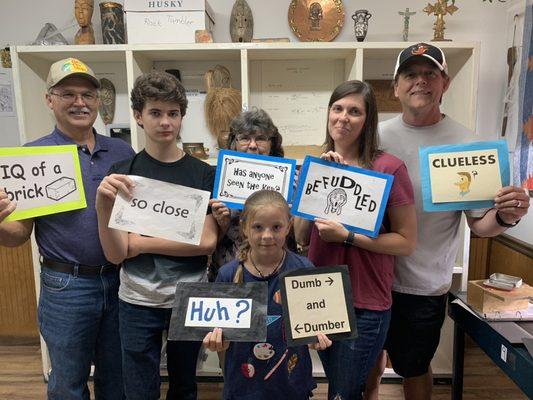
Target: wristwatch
[501,222]
[348,242]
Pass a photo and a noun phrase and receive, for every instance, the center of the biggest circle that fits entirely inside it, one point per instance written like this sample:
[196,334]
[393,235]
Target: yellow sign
[42,180]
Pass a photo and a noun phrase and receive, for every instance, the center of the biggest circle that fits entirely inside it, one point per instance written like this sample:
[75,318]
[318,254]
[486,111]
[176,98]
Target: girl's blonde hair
[257,200]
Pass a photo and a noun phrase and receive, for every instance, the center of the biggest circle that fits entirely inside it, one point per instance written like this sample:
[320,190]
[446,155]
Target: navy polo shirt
[72,236]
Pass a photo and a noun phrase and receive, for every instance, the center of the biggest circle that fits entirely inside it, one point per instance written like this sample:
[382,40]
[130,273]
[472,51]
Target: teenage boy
[151,267]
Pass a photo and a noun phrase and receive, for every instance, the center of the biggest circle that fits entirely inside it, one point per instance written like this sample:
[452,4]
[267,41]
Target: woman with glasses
[250,132]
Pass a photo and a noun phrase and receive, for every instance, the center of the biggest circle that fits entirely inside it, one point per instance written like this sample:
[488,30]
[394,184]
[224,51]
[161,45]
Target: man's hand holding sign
[472,176]
[7,206]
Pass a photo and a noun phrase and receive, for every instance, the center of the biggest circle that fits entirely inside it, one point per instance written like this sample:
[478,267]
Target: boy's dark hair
[158,86]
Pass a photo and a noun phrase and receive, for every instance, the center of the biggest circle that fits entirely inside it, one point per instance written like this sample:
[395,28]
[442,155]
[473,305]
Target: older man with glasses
[78,304]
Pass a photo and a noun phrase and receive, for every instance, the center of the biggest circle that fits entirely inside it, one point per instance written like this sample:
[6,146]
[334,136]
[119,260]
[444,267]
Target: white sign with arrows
[317,301]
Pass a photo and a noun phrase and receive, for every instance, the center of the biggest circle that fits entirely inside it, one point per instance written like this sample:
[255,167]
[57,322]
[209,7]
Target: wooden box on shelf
[486,299]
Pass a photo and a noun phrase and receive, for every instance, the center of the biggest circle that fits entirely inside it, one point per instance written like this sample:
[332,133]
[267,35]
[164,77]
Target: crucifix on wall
[406,16]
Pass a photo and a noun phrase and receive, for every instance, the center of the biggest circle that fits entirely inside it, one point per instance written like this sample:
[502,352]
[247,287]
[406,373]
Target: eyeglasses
[88,98]
[244,139]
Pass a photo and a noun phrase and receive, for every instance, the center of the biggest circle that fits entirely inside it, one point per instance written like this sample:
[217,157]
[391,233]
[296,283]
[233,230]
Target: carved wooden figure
[242,22]
[107,100]
[83,10]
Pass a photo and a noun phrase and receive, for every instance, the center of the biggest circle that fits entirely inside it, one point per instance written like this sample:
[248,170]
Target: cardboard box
[166,21]
[484,299]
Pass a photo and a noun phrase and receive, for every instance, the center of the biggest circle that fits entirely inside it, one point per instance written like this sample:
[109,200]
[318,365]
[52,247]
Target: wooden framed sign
[239,309]
[355,197]
[42,180]
[240,174]
[162,209]
[317,300]
[463,176]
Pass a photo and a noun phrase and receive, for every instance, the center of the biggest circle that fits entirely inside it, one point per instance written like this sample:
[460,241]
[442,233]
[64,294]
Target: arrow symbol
[298,328]
[329,280]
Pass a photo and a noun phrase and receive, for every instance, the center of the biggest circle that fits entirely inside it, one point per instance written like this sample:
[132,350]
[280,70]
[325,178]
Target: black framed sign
[239,309]
[317,301]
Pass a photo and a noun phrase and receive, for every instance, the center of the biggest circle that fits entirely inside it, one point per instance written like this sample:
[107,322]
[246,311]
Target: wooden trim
[515,244]
[18,308]
[479,257]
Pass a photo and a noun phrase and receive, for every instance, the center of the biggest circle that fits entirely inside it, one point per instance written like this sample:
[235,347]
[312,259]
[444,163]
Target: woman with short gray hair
[250,132]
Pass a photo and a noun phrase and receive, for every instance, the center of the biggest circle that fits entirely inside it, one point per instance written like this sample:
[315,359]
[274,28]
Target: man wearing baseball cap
[422,280]
[78,303]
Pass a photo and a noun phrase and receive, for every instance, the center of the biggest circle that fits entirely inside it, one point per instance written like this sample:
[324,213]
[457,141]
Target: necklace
[275,269]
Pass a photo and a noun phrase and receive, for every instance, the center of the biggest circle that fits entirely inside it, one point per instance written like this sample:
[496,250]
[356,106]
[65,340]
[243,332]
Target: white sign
[240,174]
[163,210]
[352,196]
[219,312]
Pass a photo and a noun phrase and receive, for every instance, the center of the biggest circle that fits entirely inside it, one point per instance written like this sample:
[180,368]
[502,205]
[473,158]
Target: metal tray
[506,279]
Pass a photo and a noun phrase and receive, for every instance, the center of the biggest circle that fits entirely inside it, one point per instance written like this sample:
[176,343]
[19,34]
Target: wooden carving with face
[242,22]
[83,11]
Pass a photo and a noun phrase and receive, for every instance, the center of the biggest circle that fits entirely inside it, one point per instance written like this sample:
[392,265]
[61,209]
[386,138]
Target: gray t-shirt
[428,270]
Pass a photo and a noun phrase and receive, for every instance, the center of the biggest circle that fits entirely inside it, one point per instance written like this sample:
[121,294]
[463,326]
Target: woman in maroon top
[352,139]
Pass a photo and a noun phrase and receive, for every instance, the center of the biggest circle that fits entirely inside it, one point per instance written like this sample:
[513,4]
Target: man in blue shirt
[78,304]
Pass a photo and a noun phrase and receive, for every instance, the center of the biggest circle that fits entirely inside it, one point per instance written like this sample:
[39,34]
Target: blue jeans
[141,330]
[347,363]
[78,319]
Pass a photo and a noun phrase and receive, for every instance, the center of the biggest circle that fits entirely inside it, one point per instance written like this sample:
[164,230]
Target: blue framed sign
[463,176]
[353,196]
[239,175]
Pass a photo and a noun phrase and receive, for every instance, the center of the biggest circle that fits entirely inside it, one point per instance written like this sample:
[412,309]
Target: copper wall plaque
[316,20]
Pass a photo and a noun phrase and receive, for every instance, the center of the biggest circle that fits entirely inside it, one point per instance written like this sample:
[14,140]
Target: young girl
[351,139]
[271,370]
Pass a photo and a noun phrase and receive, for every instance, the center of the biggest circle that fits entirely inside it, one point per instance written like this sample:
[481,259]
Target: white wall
[476,20]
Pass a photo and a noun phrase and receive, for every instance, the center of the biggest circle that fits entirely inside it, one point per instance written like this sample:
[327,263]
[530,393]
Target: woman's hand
[213,341]
[331,231]
[333,156]
[221,213]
